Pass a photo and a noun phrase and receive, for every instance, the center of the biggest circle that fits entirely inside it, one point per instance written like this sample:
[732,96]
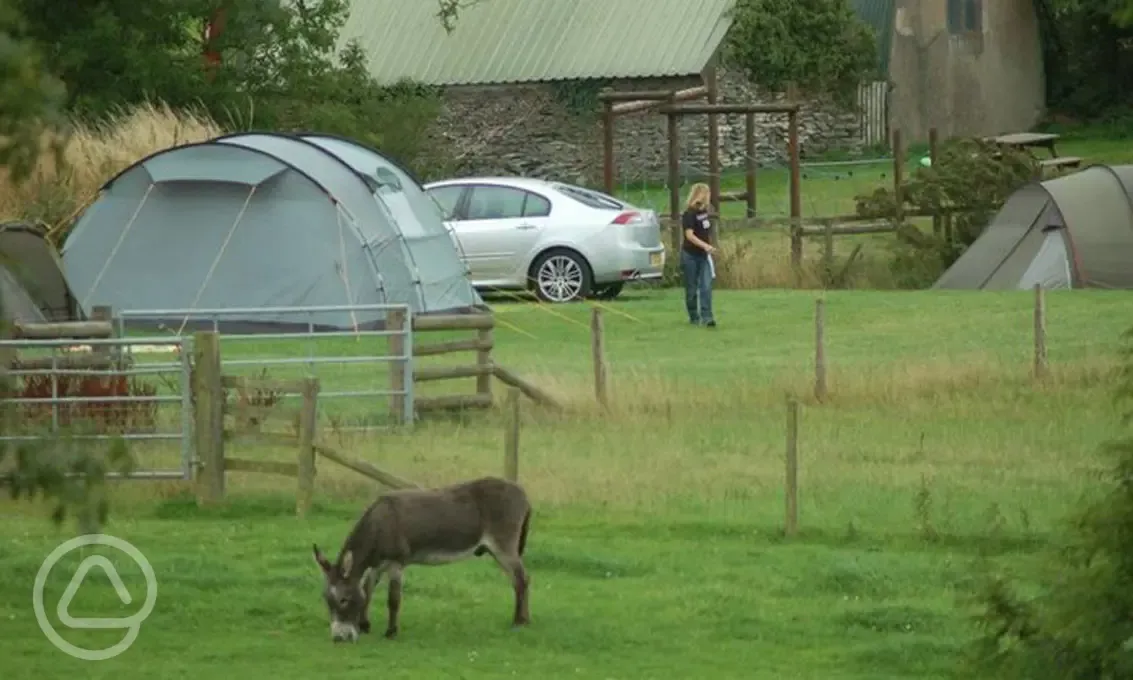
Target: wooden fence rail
[212,461]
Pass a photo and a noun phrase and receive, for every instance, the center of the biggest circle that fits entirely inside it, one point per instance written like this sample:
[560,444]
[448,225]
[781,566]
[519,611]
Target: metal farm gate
[294,356]
[60,387]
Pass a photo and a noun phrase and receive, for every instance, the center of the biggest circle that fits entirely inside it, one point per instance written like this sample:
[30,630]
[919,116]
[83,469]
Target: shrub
[968,173]
[1080,625]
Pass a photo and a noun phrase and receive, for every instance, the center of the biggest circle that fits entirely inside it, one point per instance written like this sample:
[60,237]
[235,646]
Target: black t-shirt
[698,221]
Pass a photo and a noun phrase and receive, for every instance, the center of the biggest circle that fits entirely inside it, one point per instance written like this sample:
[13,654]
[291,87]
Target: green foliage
[579,97]
[30,99]
[820,45]
[448,11]
[969,173]
[1089,58]
[280,68]
[1081,623]
[64,470]
[70,472]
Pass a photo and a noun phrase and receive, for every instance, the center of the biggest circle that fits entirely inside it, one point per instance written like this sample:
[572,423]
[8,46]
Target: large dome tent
[250,220]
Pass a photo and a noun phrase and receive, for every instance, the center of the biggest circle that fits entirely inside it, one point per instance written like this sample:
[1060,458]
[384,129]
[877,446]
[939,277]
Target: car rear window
[589,198]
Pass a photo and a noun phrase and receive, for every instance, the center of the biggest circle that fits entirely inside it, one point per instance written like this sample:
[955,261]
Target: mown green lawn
[656,549]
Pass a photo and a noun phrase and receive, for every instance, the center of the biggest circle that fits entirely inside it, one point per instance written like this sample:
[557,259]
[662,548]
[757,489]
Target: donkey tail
[523,533]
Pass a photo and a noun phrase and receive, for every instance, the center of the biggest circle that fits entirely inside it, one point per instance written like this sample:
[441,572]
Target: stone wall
[529,130]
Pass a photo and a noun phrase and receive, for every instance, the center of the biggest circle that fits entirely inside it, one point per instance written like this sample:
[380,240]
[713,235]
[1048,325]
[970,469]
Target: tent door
[1051,266]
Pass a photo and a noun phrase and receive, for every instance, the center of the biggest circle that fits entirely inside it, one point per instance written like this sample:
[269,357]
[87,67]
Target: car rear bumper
[636,265]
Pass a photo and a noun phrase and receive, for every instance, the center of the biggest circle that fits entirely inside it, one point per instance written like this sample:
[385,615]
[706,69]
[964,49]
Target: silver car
[563,242]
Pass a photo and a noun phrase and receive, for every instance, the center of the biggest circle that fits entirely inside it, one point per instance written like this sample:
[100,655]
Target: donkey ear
[322,561]
[347,563]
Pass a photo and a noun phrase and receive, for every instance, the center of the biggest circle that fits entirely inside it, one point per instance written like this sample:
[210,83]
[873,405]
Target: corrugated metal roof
[879,14]
[512,41]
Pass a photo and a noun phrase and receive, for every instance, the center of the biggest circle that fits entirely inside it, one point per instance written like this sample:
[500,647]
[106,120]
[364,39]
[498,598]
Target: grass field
[656,548]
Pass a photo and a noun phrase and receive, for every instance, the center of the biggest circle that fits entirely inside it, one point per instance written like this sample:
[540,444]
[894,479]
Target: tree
[279,61]
[31,109]
[30,99]
[1088,53]
[819,45]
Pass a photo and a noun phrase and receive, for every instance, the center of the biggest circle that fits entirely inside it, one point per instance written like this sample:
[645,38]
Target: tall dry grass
[59,189]
[751,259]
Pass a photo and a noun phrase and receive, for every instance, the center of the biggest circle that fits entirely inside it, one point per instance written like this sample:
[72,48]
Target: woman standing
[696,252]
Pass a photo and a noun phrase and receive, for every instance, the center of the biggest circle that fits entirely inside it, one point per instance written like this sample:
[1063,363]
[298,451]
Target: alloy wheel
[560,278]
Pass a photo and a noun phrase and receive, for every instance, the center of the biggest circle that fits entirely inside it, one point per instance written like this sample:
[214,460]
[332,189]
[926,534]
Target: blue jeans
[697,275]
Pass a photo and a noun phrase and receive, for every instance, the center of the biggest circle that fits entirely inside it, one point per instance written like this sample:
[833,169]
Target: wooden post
[208,395]
[608,147]
[933,155]
[395,323]
[796,188]
[898,176]
[791,526]
[484,361]
[102,313]
[820,390]
[714,152]
[749,151]
[674,167]
[511,438]
[828,252]
[308,422]
[598,352]
[1041,368]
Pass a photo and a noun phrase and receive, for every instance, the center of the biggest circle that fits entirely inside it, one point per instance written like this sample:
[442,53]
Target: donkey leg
[512,565]
[368,589]
[393,603]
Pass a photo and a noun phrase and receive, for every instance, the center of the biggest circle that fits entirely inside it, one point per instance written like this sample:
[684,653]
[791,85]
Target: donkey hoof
[391,633]
[364,626]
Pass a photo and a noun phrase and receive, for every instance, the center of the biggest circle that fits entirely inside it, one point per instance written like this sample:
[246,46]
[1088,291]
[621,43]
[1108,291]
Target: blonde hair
[698,196]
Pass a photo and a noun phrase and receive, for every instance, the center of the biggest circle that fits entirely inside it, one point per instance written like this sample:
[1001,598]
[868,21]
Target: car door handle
[525,227]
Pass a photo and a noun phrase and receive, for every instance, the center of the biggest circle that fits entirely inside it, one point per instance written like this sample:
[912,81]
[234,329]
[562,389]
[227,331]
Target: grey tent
[1075,231]
[32,285]
[261,219]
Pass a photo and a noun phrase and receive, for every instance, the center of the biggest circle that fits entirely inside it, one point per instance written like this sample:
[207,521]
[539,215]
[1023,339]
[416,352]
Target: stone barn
[521,77]
[965,67]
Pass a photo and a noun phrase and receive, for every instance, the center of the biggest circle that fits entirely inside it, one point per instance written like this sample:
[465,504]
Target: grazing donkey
[430,527]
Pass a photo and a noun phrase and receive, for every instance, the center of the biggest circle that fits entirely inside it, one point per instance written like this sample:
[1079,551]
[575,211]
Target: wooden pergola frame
[671,104]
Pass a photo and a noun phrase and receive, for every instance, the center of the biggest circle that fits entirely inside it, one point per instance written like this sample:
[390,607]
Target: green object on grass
[926,161]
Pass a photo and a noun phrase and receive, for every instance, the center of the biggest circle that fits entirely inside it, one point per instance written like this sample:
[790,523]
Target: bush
[1080,625]
[968,173]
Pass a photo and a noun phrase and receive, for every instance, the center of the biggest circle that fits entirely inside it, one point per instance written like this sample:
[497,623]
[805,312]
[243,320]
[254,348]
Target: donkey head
[345,592]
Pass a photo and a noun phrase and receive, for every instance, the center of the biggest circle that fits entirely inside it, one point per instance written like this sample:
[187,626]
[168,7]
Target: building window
[965,16]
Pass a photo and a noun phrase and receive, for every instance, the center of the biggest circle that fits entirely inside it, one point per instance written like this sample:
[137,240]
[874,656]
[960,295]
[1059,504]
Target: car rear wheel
[561,276]
[609,291]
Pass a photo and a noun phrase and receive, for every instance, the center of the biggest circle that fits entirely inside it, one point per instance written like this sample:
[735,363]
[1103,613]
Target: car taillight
[630,217]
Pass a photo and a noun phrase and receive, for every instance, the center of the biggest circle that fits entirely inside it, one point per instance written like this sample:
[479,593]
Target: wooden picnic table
[1046,140]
